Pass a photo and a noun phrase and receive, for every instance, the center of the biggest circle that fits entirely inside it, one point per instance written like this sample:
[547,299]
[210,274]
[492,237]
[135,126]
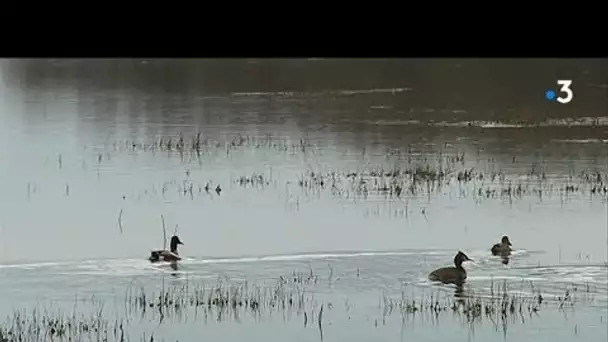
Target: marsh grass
[502,304]
[221,301]
[397,186]
[291,297]
[405,175]
[56,325]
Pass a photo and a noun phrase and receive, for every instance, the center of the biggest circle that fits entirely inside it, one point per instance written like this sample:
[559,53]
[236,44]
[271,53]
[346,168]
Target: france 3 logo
[564,89]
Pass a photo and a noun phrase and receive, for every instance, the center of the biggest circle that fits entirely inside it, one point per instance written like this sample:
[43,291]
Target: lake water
[98,155]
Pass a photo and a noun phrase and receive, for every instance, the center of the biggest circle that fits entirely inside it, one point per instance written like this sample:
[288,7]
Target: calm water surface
[87,175]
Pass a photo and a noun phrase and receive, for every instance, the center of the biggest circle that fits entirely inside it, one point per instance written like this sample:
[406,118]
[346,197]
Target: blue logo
[565,89]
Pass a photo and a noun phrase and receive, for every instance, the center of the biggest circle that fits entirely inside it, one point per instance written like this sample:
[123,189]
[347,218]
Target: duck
[167,255]
[452,275]
[503,248]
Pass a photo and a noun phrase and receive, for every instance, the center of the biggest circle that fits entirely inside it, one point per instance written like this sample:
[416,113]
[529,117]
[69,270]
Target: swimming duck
[167,255]
[503,248]
[452,275]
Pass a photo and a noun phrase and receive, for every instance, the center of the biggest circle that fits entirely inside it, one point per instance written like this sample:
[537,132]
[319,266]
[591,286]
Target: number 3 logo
[565,89]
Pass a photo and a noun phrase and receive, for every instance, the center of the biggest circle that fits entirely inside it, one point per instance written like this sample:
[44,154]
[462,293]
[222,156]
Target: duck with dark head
[452,275]
[167,255]
[503,248]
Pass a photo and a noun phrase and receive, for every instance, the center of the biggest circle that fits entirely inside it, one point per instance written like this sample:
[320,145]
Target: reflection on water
[349,180]
[459,294]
